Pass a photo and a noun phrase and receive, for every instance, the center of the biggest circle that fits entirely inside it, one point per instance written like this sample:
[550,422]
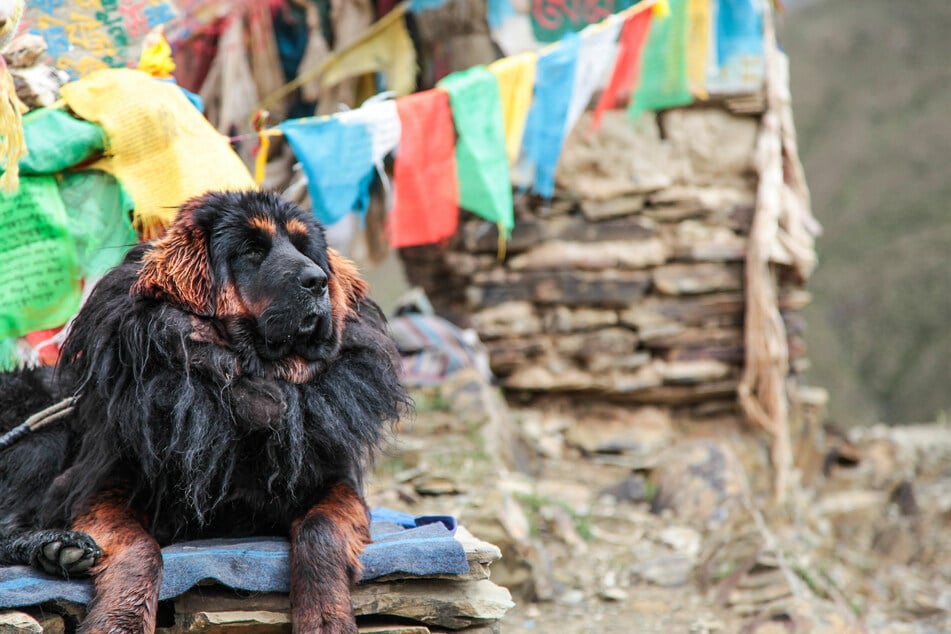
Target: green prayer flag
[482,164]
[9,360]
[98,213]
[664,82]
[56,140]
[39,275]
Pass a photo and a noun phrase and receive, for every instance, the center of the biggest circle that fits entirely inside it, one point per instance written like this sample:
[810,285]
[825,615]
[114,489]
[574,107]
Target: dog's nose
[314,280]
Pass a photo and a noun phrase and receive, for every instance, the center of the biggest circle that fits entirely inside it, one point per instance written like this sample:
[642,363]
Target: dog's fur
[233,379]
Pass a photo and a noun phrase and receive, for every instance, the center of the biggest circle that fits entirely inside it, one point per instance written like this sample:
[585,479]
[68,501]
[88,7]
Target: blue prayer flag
[545,127]
[337,159]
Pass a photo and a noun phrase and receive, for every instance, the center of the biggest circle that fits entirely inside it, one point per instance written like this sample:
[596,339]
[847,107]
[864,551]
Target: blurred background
[871,87]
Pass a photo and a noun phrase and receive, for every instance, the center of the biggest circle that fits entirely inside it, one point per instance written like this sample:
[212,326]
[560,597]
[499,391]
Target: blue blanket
[422,545]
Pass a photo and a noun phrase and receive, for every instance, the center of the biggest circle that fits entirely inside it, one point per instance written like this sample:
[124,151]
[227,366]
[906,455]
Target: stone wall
[629,284]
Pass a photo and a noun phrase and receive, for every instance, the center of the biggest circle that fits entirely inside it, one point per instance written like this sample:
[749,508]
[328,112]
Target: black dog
[230,379]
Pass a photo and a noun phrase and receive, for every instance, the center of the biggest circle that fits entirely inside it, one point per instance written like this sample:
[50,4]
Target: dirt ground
[598,542]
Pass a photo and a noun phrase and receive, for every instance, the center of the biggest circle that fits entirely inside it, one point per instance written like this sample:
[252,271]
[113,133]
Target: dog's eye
[253,252]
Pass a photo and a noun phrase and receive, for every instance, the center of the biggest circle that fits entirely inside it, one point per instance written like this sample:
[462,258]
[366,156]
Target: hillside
[872,97]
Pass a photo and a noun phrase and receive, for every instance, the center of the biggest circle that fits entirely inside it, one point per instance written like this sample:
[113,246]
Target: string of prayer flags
[664,82]
[338,161]
[598,49]
[39,277]
[160,147]
[739,54]
[485,187]
[545,127]
[627,66]
[426,189]
[516,79]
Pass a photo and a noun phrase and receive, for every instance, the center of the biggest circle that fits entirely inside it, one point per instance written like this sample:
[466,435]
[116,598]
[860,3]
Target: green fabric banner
[664,82]
[56,140]
[485,187]
[98,217]
[39,275]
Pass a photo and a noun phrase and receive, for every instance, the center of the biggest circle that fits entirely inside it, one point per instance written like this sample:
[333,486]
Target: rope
[39,420]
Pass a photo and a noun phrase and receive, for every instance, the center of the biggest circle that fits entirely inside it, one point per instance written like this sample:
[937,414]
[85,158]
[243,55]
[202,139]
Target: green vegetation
[872,98]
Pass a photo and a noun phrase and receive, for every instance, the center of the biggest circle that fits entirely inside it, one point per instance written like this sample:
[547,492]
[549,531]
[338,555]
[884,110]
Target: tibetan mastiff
[229,379]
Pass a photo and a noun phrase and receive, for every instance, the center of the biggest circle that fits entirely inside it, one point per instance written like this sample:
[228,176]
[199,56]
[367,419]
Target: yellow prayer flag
[516,77]
[698,46]
[159,147]
[385,47]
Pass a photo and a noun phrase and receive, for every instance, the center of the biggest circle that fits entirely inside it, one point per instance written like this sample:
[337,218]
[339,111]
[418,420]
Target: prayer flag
[426,192]
[381,121]
[485,187]
[545,127]
[664,70]
[698,47]
[39,276]
[737,61]
[628,64]
[98,219]
[598,49]
[516,79]
[385,47]
[338,160]
[160,147]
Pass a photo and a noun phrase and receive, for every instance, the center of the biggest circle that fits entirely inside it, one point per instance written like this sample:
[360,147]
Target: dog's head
[260,267]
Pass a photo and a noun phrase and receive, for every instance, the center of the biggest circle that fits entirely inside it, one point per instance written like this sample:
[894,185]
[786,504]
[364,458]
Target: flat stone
[506,320]
[610,254]
[564,319]
[18,623]
[667,572]
[704,277]
[702,482]
[715,144]
[612,208]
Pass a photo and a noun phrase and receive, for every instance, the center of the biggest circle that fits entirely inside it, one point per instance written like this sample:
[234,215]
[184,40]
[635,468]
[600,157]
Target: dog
[232,378]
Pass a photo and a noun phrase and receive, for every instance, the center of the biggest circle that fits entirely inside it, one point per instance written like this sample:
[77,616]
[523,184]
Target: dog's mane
[156,411]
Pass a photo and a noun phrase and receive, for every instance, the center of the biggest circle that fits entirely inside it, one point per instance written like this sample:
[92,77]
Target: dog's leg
[325,562]
[129,574]
[62,553]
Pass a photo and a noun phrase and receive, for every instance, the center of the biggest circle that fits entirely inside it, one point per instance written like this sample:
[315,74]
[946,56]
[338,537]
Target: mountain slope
[872,98]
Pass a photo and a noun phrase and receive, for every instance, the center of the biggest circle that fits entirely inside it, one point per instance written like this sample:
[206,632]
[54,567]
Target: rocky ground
[622,523]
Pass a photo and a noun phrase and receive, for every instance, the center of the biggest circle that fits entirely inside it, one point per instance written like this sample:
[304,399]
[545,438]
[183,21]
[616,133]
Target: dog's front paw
[67,554]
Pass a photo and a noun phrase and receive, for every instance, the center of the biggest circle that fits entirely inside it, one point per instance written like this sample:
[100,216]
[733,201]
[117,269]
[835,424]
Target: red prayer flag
[628,65]
[426,204]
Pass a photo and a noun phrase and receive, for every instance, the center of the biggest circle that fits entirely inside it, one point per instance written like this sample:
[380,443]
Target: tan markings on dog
[345,286]
[229,304]
[263,224]
[129,574]
[344,514]
[348,513]
[294,369]
[295,227]
[176,269]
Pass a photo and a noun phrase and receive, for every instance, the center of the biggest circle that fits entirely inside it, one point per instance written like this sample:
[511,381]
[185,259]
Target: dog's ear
[177,268]
[346,287]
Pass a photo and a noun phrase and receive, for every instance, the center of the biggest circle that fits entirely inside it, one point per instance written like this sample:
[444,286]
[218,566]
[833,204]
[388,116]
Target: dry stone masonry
[629,284]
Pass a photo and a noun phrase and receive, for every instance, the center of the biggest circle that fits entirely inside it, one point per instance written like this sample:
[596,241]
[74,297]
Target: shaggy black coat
[228,378]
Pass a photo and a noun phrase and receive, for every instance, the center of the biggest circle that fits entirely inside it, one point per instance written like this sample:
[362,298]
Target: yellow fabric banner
[698,47]
[385,47]
[516,77]
[159,146]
